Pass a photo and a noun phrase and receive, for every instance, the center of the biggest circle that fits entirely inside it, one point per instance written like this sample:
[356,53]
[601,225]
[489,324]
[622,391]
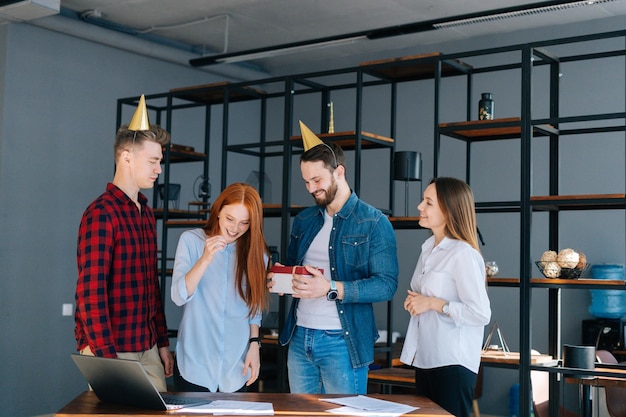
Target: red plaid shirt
[118,301]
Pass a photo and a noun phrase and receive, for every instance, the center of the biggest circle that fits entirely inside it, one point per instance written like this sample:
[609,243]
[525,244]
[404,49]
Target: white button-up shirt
[452,271]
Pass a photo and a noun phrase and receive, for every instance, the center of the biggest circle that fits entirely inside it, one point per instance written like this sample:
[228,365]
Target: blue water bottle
[514,401]
[608,304]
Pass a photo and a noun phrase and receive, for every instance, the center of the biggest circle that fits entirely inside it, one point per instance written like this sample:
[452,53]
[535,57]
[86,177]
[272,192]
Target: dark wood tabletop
[285,405]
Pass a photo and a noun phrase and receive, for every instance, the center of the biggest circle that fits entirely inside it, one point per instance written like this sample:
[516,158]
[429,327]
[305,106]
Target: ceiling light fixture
[281,50]
[398,30]
[520,13]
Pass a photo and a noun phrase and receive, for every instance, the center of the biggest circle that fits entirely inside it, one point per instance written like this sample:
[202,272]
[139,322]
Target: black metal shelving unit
[527,130]
[392,73]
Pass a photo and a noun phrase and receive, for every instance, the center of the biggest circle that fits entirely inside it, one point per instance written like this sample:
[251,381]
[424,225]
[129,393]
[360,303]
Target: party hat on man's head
[309,139]
[140,118]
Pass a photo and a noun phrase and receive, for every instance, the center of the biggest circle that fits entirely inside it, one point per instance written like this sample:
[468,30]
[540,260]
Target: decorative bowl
[552,270]
[491,269]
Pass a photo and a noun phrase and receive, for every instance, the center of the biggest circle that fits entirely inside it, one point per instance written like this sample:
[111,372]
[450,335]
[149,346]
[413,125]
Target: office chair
[540,385]
[615,396]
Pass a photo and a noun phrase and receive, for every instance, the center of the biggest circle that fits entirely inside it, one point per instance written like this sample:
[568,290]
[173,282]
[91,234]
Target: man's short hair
[126,138]
[330,154]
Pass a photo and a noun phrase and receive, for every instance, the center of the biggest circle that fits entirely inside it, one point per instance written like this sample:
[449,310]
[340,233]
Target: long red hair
[251,249]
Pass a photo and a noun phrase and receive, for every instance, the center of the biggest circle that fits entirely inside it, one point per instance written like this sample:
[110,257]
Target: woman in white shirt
[220,277]
[448,299]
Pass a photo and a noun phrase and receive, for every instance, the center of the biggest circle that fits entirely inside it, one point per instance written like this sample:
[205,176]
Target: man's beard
[329,195]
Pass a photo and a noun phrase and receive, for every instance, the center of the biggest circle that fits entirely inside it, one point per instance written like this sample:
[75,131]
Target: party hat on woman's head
[140,118]
[309,139]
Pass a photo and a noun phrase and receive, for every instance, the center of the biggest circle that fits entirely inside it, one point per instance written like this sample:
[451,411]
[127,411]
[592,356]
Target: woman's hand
[252,362]
[270,279]
[416,303]
[212,245]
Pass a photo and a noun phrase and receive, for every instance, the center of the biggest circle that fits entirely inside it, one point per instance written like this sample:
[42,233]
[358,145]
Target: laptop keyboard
[178,400]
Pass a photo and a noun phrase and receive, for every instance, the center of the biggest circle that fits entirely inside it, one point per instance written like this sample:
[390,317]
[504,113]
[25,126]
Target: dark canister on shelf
[485,107]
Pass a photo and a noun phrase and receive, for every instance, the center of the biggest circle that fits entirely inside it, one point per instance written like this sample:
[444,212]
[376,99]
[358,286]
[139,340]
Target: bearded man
[331,329]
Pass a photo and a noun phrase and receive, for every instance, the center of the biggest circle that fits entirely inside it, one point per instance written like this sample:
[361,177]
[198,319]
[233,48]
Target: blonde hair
[456,202]
[125,138]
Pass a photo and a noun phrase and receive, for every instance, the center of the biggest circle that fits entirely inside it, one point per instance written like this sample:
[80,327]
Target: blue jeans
[319,363]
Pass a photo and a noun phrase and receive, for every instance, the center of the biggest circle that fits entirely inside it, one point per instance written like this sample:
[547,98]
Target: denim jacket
[362,252]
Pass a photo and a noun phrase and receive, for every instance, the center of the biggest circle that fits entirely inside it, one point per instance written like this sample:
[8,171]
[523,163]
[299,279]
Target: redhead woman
[220,279]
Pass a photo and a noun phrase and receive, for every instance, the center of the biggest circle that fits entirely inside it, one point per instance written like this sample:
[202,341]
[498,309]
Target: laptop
[124,381]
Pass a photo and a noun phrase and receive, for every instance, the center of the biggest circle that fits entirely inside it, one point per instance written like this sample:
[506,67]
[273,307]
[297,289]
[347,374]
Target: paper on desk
[228,407]
[366,406]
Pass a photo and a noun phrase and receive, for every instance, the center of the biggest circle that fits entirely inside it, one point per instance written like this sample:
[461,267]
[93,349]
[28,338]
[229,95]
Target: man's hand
[306,286]
[168,361]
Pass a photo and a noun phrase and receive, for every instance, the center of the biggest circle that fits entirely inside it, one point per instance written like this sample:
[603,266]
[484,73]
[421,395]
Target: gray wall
[56,155]
[58,122]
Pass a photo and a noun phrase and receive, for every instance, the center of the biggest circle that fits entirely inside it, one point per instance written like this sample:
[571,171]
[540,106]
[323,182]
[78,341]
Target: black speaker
[579,356]
[407,166]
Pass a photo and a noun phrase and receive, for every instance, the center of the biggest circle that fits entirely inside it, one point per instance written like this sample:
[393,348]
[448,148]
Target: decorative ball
[551,270]
[582,260]
[567,258]
[548,256]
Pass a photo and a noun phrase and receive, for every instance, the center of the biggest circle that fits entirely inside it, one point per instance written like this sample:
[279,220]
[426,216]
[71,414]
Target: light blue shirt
[215,328]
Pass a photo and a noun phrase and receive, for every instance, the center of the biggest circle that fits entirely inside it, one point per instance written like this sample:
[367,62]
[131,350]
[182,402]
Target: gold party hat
[309,139]
[140,118]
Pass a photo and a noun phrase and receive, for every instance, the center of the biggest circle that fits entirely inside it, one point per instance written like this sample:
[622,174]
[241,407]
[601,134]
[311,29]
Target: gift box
[283,275]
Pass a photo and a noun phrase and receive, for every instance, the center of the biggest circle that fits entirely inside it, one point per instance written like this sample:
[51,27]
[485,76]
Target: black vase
[485,107]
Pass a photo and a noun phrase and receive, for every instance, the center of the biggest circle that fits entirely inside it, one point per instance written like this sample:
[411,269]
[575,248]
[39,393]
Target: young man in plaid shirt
[119,312]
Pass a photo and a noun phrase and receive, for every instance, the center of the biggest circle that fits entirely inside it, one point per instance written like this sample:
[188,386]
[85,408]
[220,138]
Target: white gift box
[283,275]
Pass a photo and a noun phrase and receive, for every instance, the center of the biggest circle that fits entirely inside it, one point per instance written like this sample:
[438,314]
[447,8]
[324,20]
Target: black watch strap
[255,339]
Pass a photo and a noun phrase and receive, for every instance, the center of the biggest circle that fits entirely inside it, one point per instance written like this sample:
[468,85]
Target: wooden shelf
[512,358]
[506,128]
[402,377]
[400,223]
[588,283]
[185,223]
[215,93]
[414,67]
[578,202]
[275,210]
[558,202]
[186,218]
[178,214]
[347,140]
[183,155]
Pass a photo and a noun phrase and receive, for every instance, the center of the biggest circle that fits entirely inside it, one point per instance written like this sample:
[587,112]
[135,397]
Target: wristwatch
[446,309]
[332,293]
